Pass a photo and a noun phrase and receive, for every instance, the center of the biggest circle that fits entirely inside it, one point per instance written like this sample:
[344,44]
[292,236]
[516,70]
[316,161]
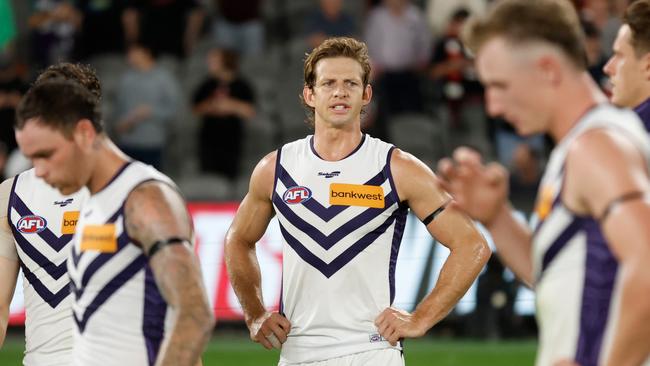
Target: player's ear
[84,133]
[308,96]
[367,94]
[550,69]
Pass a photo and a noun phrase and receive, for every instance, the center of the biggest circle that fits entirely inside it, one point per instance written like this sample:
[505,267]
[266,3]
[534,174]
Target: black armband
[163,243]
[427,220]
[617,201]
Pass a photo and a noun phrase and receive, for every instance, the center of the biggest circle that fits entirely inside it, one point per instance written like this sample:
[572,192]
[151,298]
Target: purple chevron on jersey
[554,249]
[111,287]
[328,241]
[96,264]
[53,269]
[51,298]
[329,269]
[57,243]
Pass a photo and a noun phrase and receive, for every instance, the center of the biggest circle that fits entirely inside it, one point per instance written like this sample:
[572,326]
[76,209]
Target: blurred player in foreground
[629,66]
[588,251]
[36,228]
[341,198]
[138,293]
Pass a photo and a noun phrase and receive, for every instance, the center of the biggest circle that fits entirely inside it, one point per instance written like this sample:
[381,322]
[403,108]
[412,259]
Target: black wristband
[163,243]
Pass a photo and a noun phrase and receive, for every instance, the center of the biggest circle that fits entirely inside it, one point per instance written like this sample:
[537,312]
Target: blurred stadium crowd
[203,89]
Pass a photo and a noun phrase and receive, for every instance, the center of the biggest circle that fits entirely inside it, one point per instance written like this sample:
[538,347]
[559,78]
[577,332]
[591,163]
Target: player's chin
[67,190]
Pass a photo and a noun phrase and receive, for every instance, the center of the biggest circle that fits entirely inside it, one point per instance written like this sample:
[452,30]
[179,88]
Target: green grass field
[238,351]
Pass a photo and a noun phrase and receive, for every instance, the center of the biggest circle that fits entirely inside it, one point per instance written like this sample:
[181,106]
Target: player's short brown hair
[80,73]
[330,48]
[60,104]
[551,21]
[637,17]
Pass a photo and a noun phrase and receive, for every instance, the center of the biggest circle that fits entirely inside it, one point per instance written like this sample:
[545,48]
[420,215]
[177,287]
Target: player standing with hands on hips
[341,198]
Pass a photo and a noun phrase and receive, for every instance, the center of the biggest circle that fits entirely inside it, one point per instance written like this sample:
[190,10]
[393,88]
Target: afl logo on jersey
[31,224]
[295,195]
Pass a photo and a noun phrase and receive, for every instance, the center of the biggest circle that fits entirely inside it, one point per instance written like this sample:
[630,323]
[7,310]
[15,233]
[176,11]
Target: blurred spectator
[239,26]
[146,103]
[462,93]
[12,88]
[102,30]
[399,44]
[328,21]
[596,58]
[525,173]
[601,14]
[170,27]
[53,25]
[439,12]
[225,102]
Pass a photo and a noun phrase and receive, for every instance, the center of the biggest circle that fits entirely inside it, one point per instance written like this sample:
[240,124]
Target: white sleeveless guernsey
[43,222]
[574,267]
[342,223]
[119,313]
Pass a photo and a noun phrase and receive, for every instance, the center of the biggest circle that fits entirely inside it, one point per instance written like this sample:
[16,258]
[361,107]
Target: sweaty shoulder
[602,165]
[7,247]
[156,211]
[263,176]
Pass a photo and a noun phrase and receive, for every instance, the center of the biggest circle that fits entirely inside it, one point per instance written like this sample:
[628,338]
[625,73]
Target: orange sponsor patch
[544,202]
[100,238]
[69,223]
[356,195]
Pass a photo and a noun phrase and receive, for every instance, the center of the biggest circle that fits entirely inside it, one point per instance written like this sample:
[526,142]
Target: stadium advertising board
[418,265]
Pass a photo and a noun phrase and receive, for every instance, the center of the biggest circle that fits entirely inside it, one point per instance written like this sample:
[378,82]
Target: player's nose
[40,170]
[494,106]
[608,69]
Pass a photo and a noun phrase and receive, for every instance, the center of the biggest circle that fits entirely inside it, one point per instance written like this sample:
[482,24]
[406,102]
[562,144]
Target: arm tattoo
[155,212]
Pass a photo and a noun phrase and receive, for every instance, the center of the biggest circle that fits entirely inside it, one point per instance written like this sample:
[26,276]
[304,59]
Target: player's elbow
[481,251]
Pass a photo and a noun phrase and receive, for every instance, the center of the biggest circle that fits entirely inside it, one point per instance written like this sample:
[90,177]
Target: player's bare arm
[9,264]
[248,226]
[419,187]
[155,212]
[607,179]
[482,192]
[9,275]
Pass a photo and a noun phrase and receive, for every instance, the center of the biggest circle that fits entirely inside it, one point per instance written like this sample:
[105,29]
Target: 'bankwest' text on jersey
[120,317]
[342,223]
[574,266]
[43,222]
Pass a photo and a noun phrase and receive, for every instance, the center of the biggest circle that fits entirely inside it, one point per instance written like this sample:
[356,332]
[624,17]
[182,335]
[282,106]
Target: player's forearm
[513,242]
[177,274]
[244,274]
[631,340]
[456,276]
[3,325]
[192,329]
